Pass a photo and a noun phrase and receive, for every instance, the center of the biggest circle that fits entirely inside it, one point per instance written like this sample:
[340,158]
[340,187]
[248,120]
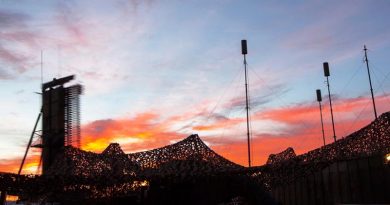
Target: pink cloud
[149,130]
[72,22]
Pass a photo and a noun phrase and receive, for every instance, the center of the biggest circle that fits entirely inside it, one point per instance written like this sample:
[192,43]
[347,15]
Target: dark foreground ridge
[189,172]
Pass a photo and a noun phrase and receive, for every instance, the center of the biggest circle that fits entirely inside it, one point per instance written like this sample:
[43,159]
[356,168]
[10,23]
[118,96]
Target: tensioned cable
[376,91]
[196,120]
[230,107]
[372,65]
[300,122]
[350,79]
[231,83]
[250,116]
[384,80]
[381,87]
[280,99]
[376,68]
[343,90]
[241,111]
[285,106]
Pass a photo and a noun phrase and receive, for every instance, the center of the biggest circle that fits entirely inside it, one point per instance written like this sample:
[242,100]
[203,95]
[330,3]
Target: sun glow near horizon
[155,73]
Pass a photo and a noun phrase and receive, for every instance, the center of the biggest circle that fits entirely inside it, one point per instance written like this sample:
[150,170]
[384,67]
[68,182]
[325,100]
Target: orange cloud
[144,131]
[149,130]
[30,166]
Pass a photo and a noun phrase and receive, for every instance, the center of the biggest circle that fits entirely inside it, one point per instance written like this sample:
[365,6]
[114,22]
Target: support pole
[247,114]
[322,124]
[369,79]
[319,99]
[327,74]
[3,197]
[29,142]
[244,52]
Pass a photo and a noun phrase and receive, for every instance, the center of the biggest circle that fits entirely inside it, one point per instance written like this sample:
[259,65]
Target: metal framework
[60,118]
[60,114]
[72,115]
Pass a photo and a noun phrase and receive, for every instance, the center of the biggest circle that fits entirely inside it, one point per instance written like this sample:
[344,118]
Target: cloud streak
[300,129]
[151,130]
[144,131]
[15,32]
[153,71]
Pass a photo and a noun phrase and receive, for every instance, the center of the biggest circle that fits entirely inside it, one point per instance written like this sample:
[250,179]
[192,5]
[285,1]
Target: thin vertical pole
[247,112]
[331,109]
[244,51]
[369,79]
[322,123]
[319,99]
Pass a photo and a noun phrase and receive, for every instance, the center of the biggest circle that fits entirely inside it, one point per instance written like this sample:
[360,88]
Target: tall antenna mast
[369,78]
[244,51]
[319,99]
[327,74]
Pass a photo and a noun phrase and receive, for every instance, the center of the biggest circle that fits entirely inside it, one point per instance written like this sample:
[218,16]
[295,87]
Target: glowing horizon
[134,139]
[156,72]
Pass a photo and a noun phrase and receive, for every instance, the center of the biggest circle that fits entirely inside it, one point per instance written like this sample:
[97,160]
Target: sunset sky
[155,72]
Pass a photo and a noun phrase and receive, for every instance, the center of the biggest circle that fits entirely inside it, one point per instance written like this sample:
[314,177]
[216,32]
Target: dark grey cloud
[18,92]
[14,31]
[203,117]
[12,19]
[218,117]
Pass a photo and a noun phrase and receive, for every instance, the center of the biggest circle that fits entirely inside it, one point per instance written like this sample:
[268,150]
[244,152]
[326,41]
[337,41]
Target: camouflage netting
[188,157]
[189,154]
[374,139]
[113,173]
[282,156]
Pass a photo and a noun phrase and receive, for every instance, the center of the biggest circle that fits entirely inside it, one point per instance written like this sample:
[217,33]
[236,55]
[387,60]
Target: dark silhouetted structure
[60,118]
[60,114]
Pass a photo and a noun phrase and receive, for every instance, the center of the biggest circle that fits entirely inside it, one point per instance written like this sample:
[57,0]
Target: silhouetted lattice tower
[60,114]
[60,118]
